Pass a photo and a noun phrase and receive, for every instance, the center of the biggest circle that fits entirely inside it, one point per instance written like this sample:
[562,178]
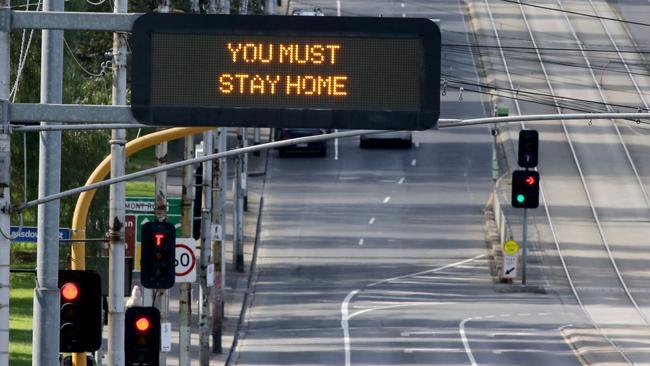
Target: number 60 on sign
[185,263]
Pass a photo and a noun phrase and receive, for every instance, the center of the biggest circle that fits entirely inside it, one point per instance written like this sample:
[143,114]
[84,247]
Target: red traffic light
[159,238]
[70,291]
[143,324]
[530,180]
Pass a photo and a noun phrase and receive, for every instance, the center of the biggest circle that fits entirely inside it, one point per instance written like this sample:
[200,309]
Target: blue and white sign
[28,234]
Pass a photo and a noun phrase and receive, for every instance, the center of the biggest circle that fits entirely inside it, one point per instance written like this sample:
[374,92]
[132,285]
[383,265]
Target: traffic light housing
[525,189]
[80,328]
[142,336]
[528,148]
[158,256]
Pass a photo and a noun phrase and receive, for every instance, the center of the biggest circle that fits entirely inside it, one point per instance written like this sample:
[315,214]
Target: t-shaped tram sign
[286,71]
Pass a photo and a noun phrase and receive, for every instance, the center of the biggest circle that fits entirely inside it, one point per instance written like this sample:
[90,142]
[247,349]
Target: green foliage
[20,318]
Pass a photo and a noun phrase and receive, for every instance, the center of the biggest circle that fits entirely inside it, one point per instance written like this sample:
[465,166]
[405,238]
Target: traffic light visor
[70,291]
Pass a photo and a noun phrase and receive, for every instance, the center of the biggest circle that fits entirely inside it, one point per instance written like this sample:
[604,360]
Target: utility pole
[45,350]
[162,295]
[117,204]
[206,252]
[219,249]
[244,173]
[5,180]
[238,212]
[269,9]
[185,304]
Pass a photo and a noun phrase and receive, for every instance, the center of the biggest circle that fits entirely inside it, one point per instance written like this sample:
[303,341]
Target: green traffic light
[520,198]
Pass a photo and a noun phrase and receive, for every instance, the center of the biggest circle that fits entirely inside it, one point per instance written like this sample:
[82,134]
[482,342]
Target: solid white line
[372,221]
[401,180]
[338,8]
[408,334]
[386,199]
[345,315]
[411,350]
[345,325]
[413,162]
[463,337]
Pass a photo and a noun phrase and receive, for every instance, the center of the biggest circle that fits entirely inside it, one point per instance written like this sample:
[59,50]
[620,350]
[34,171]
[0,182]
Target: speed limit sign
[185,260]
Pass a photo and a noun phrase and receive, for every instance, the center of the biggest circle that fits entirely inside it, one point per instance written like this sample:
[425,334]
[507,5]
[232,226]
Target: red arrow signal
[530,180]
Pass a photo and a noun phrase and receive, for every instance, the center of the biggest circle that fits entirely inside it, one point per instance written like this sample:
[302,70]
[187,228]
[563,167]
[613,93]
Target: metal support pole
[45,350]
[162,295]
[524,249]
[5,202]
[244,173]
[223,201]
[117,205]
[269,7]
[185,304]
[217,242]
[238,208]
[244,7]
[206,253]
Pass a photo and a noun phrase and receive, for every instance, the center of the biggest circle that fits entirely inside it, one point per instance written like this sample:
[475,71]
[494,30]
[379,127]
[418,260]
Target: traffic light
[525,189]
[158,255]
[142,336]
[80,312]
[528,148]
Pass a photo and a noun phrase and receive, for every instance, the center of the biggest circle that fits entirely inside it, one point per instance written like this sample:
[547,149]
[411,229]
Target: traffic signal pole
[45,347]
[117,211]
[5,202]
[185,301]
[523,248]
[206,254]
[162,295]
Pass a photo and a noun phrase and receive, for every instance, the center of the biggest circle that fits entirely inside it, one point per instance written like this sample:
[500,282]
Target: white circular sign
[185,263]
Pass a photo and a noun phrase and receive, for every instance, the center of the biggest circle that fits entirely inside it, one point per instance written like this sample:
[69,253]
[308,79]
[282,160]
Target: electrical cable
[100,74]
[577,13]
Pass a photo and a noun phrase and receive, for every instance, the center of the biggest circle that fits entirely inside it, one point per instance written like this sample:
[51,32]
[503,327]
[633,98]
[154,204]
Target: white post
[5,172]
[117,205]
[206,254]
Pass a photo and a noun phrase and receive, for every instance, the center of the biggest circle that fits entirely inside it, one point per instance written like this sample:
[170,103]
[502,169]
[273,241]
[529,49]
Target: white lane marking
[345,325]
[387,199]
[511,334]
[463,338]
[387,181]
[401,180]
[428,271]
[345,316]
[394,297]
[349,178]
[336,146]
[361,241]
[417,144]
[372,221]
[402,5]
[338,8]
[408,334]
[413,162]
[411,350]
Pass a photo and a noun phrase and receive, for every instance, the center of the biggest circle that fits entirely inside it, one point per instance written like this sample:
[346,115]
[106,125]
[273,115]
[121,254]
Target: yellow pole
[103,169]
[78,260]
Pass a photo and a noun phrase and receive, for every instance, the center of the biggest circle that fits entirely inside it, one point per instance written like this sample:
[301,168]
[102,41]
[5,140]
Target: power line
[576,13]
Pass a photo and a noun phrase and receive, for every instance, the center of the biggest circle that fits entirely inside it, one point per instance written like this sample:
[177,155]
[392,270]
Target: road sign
[28,234]
[185,260]
[511,247]
[261,71]
[510,265]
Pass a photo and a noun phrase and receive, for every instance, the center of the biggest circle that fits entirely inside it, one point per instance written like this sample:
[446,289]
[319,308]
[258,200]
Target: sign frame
[422,29]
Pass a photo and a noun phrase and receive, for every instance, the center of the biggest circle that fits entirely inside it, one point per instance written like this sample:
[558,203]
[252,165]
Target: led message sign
[274,71]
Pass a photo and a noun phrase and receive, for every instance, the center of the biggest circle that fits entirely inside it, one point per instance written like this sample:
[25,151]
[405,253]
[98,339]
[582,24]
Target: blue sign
[28,234]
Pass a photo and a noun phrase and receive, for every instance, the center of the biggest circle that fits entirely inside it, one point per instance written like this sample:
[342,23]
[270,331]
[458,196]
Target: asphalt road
[595,208]
[379,257]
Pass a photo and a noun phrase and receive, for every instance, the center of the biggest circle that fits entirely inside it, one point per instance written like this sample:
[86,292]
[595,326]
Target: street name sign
[286,71]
